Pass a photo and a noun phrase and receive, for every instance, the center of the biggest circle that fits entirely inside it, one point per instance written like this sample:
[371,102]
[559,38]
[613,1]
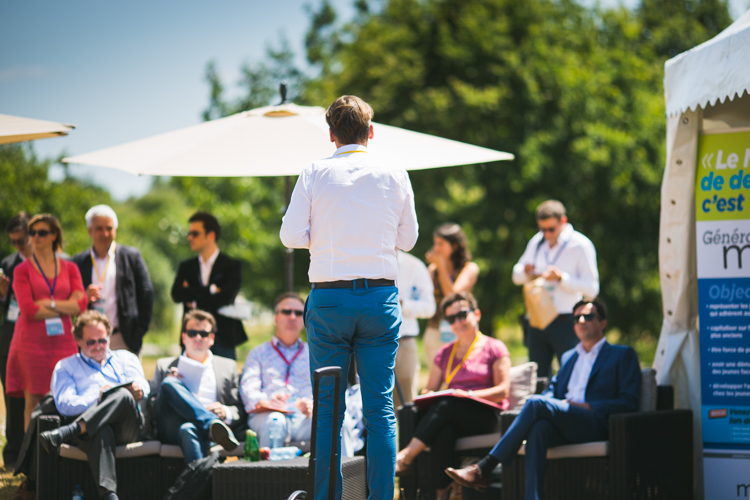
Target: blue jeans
[364,321]
[183,420]
[545,422]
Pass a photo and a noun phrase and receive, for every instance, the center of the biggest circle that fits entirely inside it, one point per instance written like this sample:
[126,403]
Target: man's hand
[185,284]
[174,372]
[305,406]
[135,390]
[101,391]
[529,269]
[552,274]
[217,409]
[4,284]
[585,406]
[93,293]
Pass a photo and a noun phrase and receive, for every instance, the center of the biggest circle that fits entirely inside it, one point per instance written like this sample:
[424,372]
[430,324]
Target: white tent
[706,89]
[18,129]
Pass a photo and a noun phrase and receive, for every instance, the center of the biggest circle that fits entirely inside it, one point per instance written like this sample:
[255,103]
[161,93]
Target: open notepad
[425,401]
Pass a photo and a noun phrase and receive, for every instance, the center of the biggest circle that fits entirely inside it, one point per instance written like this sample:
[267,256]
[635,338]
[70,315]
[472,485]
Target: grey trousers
[114,421]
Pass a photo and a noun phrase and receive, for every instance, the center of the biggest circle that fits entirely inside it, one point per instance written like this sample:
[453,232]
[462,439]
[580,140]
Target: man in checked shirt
[276,377]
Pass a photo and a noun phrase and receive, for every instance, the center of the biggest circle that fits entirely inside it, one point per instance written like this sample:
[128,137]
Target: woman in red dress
[49,291]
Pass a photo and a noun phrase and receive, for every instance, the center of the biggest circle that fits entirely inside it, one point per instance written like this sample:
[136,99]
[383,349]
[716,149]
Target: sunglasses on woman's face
[91,343]
[202,333]
[39,232]
[459,315]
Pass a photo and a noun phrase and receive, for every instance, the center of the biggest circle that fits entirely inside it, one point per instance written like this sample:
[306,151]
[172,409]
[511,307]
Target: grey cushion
[522,384]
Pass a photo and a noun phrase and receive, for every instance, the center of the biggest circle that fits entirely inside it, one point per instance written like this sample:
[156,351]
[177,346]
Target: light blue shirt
[77,379]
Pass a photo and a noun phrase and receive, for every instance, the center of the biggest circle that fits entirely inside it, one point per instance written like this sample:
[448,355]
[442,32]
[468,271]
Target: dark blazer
[226,274]
[614,384]
[8,265]
[227,386]
[135,295]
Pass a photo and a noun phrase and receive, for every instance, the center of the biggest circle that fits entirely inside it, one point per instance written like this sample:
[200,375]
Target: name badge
[54,327]
[446,332]
[98,305]
[13,310]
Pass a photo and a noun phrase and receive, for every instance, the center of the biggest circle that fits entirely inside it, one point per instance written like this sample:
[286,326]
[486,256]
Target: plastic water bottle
[285,453]
[77,493]
[276,432]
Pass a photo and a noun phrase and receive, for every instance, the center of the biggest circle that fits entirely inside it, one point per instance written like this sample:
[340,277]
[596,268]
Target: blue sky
[121,71]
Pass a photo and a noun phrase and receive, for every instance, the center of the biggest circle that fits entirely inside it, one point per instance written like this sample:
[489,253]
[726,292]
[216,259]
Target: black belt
[358,283]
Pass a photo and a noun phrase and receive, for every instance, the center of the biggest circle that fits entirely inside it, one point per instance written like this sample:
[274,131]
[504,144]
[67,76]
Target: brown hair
[19,222]
[284,296]
[54,226]
[349,118]
[198,315]
[453,234]
[452,298]
[87,318]
[549,209]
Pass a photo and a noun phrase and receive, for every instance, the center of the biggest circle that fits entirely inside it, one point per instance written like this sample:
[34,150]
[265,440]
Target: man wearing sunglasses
[210,281]
[198,407]
[566,260]
[98,389]
[18,234]
[276,378]
[116,280]
[597,379]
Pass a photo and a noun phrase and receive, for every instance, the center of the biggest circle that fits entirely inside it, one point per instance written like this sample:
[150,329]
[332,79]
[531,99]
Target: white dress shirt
[351,211]
[579,377]
[207,266]
[574,255]
[106,268]
[207,389]
[416,293]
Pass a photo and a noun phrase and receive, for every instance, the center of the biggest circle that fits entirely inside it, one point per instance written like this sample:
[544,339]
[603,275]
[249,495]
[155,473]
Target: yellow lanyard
[449,374]
[347,152]
[96,270]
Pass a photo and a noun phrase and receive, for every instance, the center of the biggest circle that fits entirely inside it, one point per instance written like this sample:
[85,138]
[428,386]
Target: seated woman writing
[473,365]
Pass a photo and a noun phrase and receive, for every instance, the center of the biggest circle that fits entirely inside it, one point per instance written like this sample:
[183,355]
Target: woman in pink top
[474,365]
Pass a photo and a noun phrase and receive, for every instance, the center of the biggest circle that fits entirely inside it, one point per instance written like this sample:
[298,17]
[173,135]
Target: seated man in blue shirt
[100,419]
[276,379]
[596,380]
[196,416]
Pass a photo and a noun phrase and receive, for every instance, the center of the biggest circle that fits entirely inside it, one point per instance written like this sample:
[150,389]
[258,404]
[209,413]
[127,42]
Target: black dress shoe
[51,440]
[470,477]
[223,435]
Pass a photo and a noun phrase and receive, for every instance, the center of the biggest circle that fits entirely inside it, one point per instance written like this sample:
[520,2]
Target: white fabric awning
[18,129]
[274,141]
[716,70]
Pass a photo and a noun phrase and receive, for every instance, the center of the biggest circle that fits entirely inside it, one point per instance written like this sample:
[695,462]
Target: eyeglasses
[290,312]
[91,343]
[41,232]
[193,234]
[459,315]
[586,317]
[19,242]
[202,333]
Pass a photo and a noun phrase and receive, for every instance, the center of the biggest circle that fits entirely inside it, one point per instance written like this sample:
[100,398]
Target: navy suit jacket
[614,384]
[135,294]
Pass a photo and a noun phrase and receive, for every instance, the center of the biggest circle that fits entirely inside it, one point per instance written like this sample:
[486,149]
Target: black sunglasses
[41,232]
[459,315]
[202,333]
[90,343]
[194,234]
[586,317]
[289,312]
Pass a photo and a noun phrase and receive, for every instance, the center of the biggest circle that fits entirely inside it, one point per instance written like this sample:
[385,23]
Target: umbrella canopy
[17,129]
[273,141]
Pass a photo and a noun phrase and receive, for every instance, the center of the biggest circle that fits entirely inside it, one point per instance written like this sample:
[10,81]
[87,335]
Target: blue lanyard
[54,284]
[100,368]
[546,254]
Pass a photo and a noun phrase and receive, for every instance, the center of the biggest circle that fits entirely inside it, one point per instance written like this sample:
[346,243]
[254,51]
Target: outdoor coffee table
[276,480]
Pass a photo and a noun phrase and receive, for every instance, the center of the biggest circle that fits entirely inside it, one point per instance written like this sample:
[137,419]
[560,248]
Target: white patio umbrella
[273,141]
[18,129]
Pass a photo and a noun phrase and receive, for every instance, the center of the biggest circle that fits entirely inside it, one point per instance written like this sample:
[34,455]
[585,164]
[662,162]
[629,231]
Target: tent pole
[289,252]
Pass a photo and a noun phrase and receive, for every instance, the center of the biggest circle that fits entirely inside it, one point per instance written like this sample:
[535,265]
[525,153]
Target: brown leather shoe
[469,476]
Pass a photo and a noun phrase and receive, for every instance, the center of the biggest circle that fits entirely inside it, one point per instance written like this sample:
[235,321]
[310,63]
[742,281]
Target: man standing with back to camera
[352,211]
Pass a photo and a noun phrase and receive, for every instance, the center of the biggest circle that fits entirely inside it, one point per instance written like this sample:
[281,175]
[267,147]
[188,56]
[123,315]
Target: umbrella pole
[289,252]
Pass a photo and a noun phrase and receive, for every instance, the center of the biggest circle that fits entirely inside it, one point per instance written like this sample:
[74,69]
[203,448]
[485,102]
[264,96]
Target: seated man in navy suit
[596,380]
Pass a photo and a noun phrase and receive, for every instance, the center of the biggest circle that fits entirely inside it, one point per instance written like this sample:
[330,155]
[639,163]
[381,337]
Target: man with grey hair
[116,280]
[566,260]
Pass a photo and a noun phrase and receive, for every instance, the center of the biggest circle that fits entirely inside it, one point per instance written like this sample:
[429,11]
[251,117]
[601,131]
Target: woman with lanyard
[474,366]
[49,291]
[449,263]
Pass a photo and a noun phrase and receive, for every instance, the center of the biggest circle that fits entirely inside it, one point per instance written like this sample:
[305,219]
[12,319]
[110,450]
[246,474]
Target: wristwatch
[52,303]
[470,393]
